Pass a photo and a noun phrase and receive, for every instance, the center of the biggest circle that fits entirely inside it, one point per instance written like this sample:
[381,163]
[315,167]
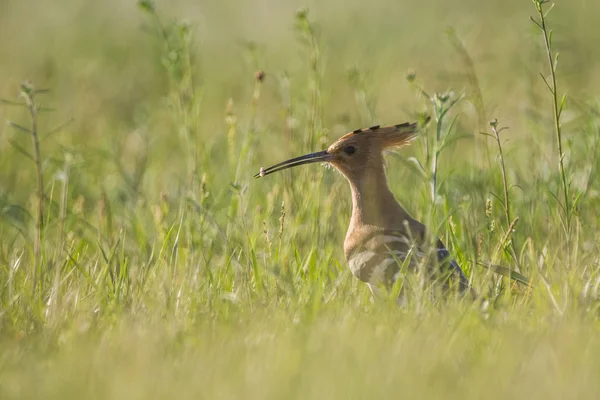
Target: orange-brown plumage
[380,232]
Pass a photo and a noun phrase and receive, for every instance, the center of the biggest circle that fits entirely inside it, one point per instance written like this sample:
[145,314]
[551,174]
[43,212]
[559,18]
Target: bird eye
[349,150]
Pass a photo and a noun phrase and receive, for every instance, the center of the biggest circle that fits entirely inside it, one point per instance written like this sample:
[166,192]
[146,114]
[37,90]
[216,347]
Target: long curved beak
[320,156]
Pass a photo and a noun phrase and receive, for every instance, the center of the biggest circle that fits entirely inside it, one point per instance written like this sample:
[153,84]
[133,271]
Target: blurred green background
[104,70]
[166,270]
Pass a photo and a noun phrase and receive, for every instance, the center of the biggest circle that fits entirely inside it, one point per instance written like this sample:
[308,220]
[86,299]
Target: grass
[154,266]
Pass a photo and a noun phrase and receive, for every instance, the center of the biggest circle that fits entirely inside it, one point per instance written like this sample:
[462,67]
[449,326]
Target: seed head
[260,75]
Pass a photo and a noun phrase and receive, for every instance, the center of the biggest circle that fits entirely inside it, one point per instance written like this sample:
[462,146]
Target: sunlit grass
[156,267]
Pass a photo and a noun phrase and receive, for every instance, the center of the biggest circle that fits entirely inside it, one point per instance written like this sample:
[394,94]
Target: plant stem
[510,224]
[28,93]
[557,109]
[496,131]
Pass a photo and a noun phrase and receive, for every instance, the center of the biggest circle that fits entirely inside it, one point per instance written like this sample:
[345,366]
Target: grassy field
[139,258]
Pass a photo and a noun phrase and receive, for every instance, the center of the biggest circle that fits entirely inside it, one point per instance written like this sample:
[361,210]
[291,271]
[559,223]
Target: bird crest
[387,136]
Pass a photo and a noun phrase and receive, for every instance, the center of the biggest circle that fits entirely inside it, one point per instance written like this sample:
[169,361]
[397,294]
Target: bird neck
[373,203]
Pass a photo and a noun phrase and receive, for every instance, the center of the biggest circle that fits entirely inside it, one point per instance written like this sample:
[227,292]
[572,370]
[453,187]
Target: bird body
[382,237]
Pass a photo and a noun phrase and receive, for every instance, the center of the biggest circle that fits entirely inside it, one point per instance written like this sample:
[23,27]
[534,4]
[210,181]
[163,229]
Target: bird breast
[377,258]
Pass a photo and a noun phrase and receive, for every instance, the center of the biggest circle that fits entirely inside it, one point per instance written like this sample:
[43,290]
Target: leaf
[11,103]
[576,202]
[20,149]
[256,271]
[18,127]
[82,270]
[418,164]
[504,128]
[414,164]
[18,216]
[507,272]
[562,207]
[455,138]
[563,101]
[46,109]
[146,6]
[516,186]
[102,252]
[498,198]
[456,100]
[549,9]
[535,22]
[546,82]
[58,128]
[564,212]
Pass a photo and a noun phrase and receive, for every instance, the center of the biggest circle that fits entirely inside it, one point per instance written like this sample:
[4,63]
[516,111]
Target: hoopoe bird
[382,236]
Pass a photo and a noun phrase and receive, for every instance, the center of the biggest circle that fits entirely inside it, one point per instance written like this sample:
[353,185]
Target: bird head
[355,152]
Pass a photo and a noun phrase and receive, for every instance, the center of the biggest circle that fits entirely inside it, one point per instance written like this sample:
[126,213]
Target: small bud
[78,206]
[27,87]
[452,224]
[260,75]
[229,109]
[442,98]
[147,5]
[282,219]
[410,75]
[158,215]
[204,193]
[302,13]
[267,237]
[183,26]
[262,172]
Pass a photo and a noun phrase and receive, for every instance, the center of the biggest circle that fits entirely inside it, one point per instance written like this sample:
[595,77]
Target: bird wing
[445,261]
[379,257]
